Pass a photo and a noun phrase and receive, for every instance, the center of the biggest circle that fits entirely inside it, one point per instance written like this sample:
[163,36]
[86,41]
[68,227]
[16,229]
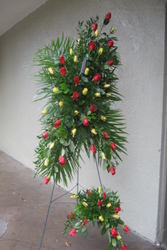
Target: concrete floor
[23,205]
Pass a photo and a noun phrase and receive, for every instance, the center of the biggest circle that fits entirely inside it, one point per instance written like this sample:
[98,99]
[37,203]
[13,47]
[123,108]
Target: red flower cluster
[62,160]
[75,95]
[62,71]
[76,79]
[97,77]
[62,60]
[99,203]
[93,108]
[117,210]
[113,232]
[92,45]
[93,149]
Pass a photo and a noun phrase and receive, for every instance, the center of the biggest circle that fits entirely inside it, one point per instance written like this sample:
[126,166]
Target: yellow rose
[116,216]
[79,40]
[94,131]
[76,112]
[97,94]
[84,204]
[108,205]
[119,237]
[100,51]
[60,103]
[51,145]
[99,189]
[75,59]
[73,196]
[45,111]
[55,89]
[51,71]
[86,71]
[103,118]
[96,32]
[46,162]
[103,156]
[71,51]
[108,94]
[85,91]
[73,132]
[112,30]
[101,218]
[106,86]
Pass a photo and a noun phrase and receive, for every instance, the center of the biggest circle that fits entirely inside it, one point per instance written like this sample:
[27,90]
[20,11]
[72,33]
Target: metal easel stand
[55,200]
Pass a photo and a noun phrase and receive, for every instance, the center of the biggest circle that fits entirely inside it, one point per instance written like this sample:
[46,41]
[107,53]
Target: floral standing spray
[77,80]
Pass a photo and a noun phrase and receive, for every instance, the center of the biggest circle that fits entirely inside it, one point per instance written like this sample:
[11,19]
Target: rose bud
[98,94]
[100,51]
[75,59]
[112,170]
[71,51]
[45,111]
[72,232]
[113,232]
[86,71]
[124,246]
[89,192]
[46,180]
[62,160]
[76,79]
[57,124]
[104,195]
[85,221]
[55,90]
[74,132]
[108,16]
[94,26]
[51,71]
[85,91]
[75,95]
[96,33]
[110,43]
[62,71]
[97,77]
[92,45]
[113,146]
[61,104]
[117,209]
[46,162]
[99,203]
[101,218]
[85,122]
[103,118]
[45,135]
[93,149]
[112,30]
[126,229]
[62,60]
[93,108]
[110,62]
[105,135]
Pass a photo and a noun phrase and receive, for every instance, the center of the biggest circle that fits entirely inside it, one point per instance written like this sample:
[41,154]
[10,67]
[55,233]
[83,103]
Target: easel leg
[47,216]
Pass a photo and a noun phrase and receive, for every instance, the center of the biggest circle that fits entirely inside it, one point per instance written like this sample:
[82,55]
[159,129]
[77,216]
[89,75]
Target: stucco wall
[140,30]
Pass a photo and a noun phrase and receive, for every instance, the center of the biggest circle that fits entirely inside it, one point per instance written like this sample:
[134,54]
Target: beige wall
[140,28]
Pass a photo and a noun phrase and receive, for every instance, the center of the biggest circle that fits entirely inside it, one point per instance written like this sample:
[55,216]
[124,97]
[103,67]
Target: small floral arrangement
[78,81]
[101,207]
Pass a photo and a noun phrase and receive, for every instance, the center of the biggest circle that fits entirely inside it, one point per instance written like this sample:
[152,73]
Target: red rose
[93,149]
[46,180]
[72,232]
[94,26]
[108,16]
[85,221]
[112,170]
[85,122]
[126,229]
[93,108]
[113,232]
[99,203]
[62,71]
[71,215]
[105,135]
[92,45]
[110,43]
[76,79]
[89,192]
[113,146]
[124,246]
[75,95]
[45,135]
[104,195]
[97,77]
[57,124]
[62,160]
[110,62]
[117,209]
[62,60]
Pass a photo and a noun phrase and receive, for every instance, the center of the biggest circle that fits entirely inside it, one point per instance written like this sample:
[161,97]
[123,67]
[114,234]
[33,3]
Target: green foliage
[57,89]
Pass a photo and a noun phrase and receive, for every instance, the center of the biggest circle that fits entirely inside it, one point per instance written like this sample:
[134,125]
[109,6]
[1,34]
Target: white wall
[140,28]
